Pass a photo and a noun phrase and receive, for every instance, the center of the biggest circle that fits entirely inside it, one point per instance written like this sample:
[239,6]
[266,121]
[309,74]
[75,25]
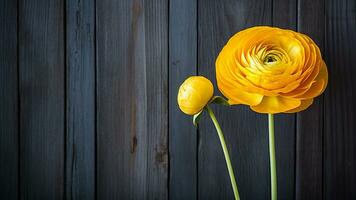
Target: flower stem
[226,153]
[272,157]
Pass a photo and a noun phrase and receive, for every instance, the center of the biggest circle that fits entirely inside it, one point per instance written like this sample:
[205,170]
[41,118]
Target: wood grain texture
[309,149]
[42,97]
[122,149]
[182,133]
[156,25]
[8,101]
[245,131]
[339,133]
[285,16]
[80,107]
[132,61]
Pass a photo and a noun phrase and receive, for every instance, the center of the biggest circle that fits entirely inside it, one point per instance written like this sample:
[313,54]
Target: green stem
[272,157]
[226,153]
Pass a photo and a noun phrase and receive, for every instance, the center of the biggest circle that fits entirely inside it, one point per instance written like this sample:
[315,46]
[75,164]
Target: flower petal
[304,105]
[276,104]
[242,97]
[316,89]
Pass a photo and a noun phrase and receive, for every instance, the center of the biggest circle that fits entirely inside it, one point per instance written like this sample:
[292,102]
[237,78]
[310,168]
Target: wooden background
[88,102]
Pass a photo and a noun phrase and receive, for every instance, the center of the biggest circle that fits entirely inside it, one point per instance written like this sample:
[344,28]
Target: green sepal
[219,100]
[216,100]
[197,117]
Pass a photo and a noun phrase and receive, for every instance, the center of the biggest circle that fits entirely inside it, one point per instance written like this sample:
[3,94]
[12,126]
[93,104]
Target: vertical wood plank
[182,133]
[80,138]
[121,149]
[156,43]
[8,101]
[245,131]
[309,149]
[41,59]
[340,109]
[132,53]
[285,16]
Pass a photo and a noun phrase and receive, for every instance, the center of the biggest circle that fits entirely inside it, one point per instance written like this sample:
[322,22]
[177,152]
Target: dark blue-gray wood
[132,95]
[80,103]
[285,14]
[309,149]
[245,131]
[156,42]
[121,100]
[42,97]
[340,109]
[9,123]
[182,133]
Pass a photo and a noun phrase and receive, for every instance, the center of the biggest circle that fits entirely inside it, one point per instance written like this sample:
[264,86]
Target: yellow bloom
[194,93]
[272,70]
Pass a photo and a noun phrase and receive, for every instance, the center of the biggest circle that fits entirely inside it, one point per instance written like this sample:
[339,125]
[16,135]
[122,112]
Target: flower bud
[194,93]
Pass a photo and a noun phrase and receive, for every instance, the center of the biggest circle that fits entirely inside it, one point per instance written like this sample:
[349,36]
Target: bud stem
[226,153]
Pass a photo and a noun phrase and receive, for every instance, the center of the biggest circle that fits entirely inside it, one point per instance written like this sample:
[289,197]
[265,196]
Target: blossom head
[271,70]
[194,93]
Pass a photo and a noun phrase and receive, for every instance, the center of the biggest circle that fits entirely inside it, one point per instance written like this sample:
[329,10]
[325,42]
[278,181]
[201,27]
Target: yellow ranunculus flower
[272,70]
[194,93]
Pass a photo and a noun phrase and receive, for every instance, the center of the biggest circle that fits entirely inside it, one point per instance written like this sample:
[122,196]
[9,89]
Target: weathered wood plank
[8,101]
[245,131]
[156,28]
[122,149]
[182,133]
[340,108]
[132,64]
[309,148]
[80,138]
[285,16]
[41,65]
